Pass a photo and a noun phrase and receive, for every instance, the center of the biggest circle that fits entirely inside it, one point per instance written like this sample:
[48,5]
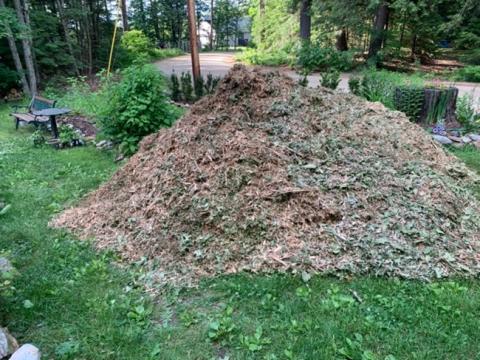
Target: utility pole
[192,27]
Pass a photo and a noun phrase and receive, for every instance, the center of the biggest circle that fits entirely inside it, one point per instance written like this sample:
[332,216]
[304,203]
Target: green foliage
[199,87]
[471,57]
[437,111]
[211,83]
[79,95]
[375,85]
[466,114]
[8,79]
[468,73]
[38,138]
[271,57]
[330,79]
[137,46]
[160,54]
[187,88]
[68,136]
[222,328]
[182,90]
[175,87]
[313,57]
[137,107]
[409,99]
[354,84]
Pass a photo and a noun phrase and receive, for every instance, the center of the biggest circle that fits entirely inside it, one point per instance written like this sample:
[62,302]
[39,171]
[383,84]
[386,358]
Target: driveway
[218,64]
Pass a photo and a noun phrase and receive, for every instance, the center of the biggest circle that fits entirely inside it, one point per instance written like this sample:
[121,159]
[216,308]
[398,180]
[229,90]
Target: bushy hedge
[267,58]
[380,85]
[312,57]
[8,79]
[468,73]
[137,106]
[136,48]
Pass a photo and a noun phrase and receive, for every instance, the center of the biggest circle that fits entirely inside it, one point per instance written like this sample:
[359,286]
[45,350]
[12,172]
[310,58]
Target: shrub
[466,114]
[8,79]
[468,73]
[471,57]
[409,99]
[330,79]
[375,85]
[182,90]
[137,46]
[160,54]
[137,107]
[187,88]
[199,87]
[267,58]
[312,57]
[175,87]
[354,85]
[211,83]
[80,96]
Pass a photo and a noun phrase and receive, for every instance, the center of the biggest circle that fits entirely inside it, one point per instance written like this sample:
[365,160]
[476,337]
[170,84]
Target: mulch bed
[266,175]
[82,123]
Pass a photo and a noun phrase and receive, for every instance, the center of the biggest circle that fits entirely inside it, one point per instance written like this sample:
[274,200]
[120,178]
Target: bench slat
[29,117]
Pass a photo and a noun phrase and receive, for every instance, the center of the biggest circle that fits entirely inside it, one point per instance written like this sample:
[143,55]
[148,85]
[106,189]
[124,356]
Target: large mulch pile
[266,175]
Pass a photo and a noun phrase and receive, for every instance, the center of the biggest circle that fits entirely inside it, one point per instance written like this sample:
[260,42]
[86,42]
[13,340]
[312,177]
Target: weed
[222,328]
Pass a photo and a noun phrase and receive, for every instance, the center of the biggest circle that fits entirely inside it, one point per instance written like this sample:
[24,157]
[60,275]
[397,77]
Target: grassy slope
[86,308]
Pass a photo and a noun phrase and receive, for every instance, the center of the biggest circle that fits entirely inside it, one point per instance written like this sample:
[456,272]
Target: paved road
[218,64]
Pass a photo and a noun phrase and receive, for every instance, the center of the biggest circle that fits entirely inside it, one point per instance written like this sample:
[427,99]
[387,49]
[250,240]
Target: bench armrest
[16,107]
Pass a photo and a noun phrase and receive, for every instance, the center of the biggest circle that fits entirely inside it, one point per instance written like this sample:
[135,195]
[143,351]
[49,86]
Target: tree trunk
[211,25]
[341,41]
[27,47]
[414,47]
[124,15]
[60,6]
[305,20]
[378,33]
[16,56]
[262,20]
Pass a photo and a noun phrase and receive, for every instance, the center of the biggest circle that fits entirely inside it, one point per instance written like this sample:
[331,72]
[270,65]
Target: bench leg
[16,123]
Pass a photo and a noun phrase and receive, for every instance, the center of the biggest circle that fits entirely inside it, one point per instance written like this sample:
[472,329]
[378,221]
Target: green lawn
[75,303]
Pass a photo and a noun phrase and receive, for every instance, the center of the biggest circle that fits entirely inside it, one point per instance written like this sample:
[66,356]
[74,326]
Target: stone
[442,139]
[466,139]
[104,144]
[8,344]
[477,144]
[5,266]
[455,133]
[455,138]
[27,352]
[474,137]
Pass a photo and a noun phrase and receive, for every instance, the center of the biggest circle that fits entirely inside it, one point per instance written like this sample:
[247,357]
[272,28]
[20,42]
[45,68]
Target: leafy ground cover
[76,303]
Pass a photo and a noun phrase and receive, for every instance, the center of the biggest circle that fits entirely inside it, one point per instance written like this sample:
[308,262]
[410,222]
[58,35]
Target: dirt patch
[265,175]
[85,125]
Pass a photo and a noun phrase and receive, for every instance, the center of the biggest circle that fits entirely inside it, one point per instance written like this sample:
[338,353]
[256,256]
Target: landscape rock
[442,139]
[27,352]
[8,344]
[466,139]
[477,144]
[455,138]
[104,145]
[474,137]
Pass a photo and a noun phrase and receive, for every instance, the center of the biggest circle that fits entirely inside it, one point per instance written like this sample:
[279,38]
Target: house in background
[241,38]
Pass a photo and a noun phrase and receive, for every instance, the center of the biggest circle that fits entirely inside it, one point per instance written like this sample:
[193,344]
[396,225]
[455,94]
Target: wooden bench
[37,103]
